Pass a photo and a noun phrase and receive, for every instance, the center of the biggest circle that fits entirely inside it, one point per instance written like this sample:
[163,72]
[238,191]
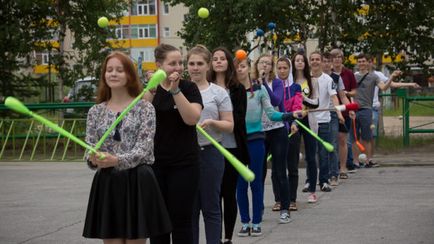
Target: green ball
[203,13]
[103,22]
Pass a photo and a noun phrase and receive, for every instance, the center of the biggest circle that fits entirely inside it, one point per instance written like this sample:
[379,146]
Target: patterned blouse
[134,142]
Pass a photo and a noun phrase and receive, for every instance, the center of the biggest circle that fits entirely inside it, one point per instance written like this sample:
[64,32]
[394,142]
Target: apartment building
[145,25]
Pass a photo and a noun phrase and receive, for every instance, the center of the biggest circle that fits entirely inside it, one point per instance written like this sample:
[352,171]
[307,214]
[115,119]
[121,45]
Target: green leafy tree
[22,25]
[26,24]
[90,41]
[380,27]
[401,26]
[230,20]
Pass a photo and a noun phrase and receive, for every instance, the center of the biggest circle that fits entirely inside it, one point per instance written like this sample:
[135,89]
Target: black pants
[228,196]
[293,159]
[179,186]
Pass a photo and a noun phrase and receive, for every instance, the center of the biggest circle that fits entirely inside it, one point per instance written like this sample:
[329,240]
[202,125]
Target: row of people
[251,115]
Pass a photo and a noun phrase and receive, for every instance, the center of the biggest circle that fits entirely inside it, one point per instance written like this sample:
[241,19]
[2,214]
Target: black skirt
[126,204]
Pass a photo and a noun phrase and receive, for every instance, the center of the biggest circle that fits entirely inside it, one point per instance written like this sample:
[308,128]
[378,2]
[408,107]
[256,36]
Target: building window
[122,32]
[166,9]
[145,7]
[166,32]
[143,31]
[45,58]
[42,58]
[147,54]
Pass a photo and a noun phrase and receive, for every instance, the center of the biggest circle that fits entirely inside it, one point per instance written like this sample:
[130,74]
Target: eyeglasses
[117,135]
[264,62]
[338,56]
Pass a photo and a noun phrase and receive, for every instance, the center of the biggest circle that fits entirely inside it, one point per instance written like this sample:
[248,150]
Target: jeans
[208,200]
[256,153]
[324,173]
[278,141]
[333,156]
[363,125]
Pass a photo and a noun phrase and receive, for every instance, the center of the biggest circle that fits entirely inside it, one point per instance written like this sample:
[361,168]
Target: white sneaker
[284,218]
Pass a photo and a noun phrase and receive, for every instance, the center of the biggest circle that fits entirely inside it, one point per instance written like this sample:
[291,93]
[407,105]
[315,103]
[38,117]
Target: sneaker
[343,176]
[256,230]
[312,198]
[285,218]
[306,188]
[352,170]
[371,164]
[326,188]
[334,181]
[245,230]
[292,206]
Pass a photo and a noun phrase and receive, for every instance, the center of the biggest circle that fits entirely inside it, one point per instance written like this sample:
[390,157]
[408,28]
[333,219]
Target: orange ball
[241,54]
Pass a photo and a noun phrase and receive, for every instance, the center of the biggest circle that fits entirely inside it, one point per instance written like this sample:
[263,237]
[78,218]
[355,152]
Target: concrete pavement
[46,203]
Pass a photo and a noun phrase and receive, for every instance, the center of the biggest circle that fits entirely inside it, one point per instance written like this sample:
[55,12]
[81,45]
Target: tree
[372,26]
[382,27]
[90,41]
[28,25]
[230,20]
[23,25]
[402,26]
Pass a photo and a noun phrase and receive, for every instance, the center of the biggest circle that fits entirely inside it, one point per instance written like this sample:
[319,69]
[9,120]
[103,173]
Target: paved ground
[46,203]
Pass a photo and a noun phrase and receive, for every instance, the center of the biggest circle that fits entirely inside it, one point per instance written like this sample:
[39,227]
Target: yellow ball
[203,13]
[103,22]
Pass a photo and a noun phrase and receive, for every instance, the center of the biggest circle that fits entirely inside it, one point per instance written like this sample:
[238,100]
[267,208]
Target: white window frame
[166,9]
[144,32]
[166,31]
[45,59]
[119,32]
[144,8]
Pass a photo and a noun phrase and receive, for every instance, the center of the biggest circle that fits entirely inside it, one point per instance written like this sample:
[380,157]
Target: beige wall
[173,21]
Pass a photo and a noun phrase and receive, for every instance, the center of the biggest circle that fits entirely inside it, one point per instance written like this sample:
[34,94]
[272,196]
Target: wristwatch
[175,91]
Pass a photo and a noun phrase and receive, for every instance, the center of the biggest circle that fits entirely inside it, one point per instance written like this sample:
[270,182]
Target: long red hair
[134,86]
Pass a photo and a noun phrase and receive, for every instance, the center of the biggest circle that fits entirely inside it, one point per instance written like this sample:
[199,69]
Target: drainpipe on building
[158,22]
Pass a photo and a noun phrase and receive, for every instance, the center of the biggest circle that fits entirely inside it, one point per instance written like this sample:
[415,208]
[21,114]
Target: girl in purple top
[276,142]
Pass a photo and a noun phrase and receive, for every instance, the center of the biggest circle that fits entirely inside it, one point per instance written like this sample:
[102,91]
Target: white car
[83,90]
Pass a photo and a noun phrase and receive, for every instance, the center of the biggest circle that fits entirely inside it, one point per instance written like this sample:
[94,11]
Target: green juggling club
[244,171]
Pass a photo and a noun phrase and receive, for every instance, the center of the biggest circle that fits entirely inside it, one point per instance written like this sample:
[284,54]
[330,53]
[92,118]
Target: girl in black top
[178,105]
[223,73]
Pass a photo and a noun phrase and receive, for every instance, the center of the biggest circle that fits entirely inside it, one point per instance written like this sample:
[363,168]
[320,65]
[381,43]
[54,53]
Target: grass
[391,144]
[422,108]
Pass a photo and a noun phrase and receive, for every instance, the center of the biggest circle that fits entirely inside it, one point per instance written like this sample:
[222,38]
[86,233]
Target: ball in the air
[362,158]
[241,54]
[103,22]
[203,13]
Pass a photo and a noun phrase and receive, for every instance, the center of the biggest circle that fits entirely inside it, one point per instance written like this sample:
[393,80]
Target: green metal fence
[22,138]
[407,101]
[25,139]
